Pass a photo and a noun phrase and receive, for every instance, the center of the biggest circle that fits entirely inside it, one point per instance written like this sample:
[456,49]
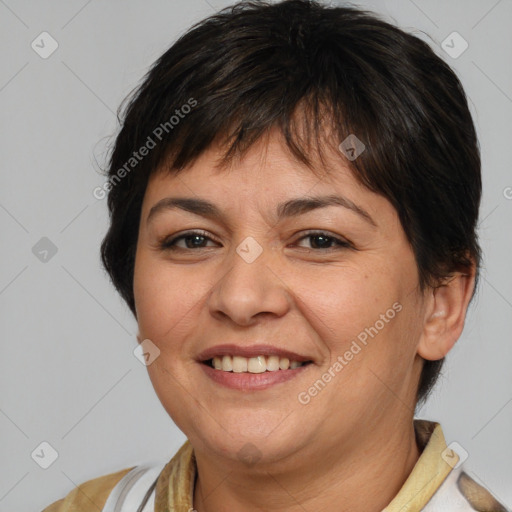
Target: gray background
[68,375]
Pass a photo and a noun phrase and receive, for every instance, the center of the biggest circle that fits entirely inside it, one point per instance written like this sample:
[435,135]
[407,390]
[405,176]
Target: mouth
[257,364]
[254,367]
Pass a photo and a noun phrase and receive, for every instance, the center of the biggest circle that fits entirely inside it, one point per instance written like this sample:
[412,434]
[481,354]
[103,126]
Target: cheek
[169,300]
[161,297]
[342,303]
[366,324]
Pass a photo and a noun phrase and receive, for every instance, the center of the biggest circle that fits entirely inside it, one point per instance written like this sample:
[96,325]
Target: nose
[249,289]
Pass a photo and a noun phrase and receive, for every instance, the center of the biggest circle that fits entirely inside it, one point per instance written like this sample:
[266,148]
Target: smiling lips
[237,366]
[258,364]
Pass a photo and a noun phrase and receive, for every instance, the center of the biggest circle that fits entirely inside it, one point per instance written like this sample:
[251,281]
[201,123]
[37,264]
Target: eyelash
[168,244]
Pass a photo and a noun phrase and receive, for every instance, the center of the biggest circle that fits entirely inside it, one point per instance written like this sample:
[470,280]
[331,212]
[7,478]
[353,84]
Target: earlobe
[445,315]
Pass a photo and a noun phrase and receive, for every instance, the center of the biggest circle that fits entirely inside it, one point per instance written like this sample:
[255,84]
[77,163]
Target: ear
[445,313]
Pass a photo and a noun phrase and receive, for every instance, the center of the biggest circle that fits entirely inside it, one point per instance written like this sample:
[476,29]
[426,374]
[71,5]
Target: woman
[294,195]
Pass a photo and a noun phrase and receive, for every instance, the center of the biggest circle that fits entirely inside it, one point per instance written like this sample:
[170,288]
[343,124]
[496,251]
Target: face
[260,278]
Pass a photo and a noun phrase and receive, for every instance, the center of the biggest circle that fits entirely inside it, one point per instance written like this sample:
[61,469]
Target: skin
[352,446]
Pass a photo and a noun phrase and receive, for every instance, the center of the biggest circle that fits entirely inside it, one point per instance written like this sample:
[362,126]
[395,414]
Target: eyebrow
[290,208]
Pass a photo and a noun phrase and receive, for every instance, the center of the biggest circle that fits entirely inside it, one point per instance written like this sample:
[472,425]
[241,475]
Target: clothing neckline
[175,486]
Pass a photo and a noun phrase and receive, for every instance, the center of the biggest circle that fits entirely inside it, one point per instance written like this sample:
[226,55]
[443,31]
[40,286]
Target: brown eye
[192,239]
[325,240]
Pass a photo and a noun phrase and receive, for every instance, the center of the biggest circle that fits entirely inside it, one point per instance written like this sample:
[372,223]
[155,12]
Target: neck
[366,478]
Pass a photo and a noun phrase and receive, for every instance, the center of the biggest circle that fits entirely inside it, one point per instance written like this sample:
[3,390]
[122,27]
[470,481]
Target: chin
[262,442]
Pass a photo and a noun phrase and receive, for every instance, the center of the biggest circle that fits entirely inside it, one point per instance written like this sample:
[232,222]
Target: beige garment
[89,496]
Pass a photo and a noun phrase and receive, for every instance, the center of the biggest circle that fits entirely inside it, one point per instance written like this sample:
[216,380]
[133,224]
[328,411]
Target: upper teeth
[257,364]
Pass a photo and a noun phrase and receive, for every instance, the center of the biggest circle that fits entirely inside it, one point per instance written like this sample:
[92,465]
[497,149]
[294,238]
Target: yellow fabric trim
[89,496]
[175,485]
[428,473]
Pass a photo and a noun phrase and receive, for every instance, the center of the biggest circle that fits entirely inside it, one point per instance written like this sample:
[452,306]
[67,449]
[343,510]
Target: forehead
[266,180]
[267,167]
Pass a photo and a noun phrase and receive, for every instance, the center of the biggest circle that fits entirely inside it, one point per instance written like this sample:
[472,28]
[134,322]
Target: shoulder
[90,495]
[128,489]
[461,492]
[477,495]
